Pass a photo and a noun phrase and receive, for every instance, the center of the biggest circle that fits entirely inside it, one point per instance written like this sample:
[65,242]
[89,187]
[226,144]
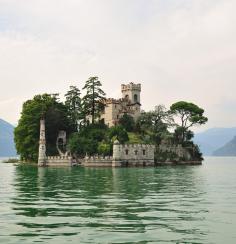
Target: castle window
[126,151]
[136,152]
[135,98]
[144,152]
[127,97]
[117,116]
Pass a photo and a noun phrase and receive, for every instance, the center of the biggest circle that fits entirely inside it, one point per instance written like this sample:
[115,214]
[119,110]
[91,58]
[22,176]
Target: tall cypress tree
[73,104]
[93,100]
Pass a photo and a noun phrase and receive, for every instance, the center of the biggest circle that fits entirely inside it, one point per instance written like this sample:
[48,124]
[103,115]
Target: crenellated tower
[131,92]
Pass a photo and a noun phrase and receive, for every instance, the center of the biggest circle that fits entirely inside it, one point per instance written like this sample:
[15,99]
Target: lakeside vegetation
[87,134]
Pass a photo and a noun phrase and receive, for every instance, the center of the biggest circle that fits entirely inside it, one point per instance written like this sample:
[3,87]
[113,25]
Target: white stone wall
[140,153]
[112,114]
[59,161]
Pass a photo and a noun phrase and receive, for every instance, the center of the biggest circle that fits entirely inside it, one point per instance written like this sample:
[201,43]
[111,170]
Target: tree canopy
[27,131]
[189,114]
[127,122]
[93,100]
[73,104]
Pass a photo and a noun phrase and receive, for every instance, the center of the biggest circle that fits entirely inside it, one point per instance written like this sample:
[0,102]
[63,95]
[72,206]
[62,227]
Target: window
[135,98]
[117,116]
[126,151]
[136,152]
[144,152]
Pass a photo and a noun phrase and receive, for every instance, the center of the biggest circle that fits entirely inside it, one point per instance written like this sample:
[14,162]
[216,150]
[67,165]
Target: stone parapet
[131,86]
[59,161]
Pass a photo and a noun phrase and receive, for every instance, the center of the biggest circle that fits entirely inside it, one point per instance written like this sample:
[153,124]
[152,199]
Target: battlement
[131,86]
[112,101]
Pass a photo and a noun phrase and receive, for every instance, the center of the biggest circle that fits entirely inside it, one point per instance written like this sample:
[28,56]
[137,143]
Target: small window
[117,116]
[135,98]
[126,151]
[144,152]
[136,152]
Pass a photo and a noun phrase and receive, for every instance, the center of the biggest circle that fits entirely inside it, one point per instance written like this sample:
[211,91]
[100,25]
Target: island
[96,131]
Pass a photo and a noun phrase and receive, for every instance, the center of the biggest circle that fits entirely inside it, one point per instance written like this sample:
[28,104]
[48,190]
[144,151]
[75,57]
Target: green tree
[155,123]
[73,104]
[189,114]
[93,100]
[27,132]
[87,139]
[127,122]
[104,148]
[120,133]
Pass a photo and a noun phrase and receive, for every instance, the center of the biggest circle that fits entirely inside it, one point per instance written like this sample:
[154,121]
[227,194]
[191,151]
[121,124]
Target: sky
[177,50]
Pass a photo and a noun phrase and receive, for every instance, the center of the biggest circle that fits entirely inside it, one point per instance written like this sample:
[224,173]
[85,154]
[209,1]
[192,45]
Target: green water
[192,204]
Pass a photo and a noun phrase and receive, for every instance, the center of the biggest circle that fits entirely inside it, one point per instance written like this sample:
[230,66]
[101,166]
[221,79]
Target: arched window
[127,97]
[144,152]
[135,98]
[126,151]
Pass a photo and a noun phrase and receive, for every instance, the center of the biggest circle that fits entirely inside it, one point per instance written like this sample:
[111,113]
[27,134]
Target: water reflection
[134,205]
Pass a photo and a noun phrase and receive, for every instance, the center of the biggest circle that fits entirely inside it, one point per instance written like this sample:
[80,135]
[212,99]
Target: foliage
[92,102]
[189,114]
[73,104]
[27,132]
[12,161]
[119,133]
[127,122]
[104,149]
[87,139]
[135,138]
[155,124]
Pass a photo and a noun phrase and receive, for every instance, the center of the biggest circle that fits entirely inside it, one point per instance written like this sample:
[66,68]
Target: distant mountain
[213,139]
[229,149]
[7,146]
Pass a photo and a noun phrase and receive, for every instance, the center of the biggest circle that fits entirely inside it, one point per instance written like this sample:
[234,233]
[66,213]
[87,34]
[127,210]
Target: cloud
[177,49]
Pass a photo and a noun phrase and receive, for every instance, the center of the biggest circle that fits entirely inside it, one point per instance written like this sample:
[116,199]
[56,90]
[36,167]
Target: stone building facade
[127,155]
[130,104]
[133,154]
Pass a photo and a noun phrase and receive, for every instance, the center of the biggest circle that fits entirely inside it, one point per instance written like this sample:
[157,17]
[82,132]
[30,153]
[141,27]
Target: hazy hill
[229,149]
[7,146]
[213,139]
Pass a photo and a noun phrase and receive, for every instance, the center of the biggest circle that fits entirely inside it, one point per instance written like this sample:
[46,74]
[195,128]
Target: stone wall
[180,151]
[59,161]
[133,154]
[97,161]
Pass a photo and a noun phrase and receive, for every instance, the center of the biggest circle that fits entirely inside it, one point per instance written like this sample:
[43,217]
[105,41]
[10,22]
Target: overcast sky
[177,50]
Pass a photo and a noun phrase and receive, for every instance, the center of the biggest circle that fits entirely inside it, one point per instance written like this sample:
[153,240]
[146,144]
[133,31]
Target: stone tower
[131,92]
[42,144]
[116,150]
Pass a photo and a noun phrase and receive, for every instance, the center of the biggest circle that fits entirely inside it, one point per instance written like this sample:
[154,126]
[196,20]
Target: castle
[129,104]
[123,155]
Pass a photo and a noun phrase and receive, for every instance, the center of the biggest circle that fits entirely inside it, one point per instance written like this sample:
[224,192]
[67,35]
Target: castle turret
[42,144]
[116,154]
[116,150]
[131,92]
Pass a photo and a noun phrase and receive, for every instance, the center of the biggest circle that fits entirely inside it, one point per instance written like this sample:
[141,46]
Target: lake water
[182,204]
